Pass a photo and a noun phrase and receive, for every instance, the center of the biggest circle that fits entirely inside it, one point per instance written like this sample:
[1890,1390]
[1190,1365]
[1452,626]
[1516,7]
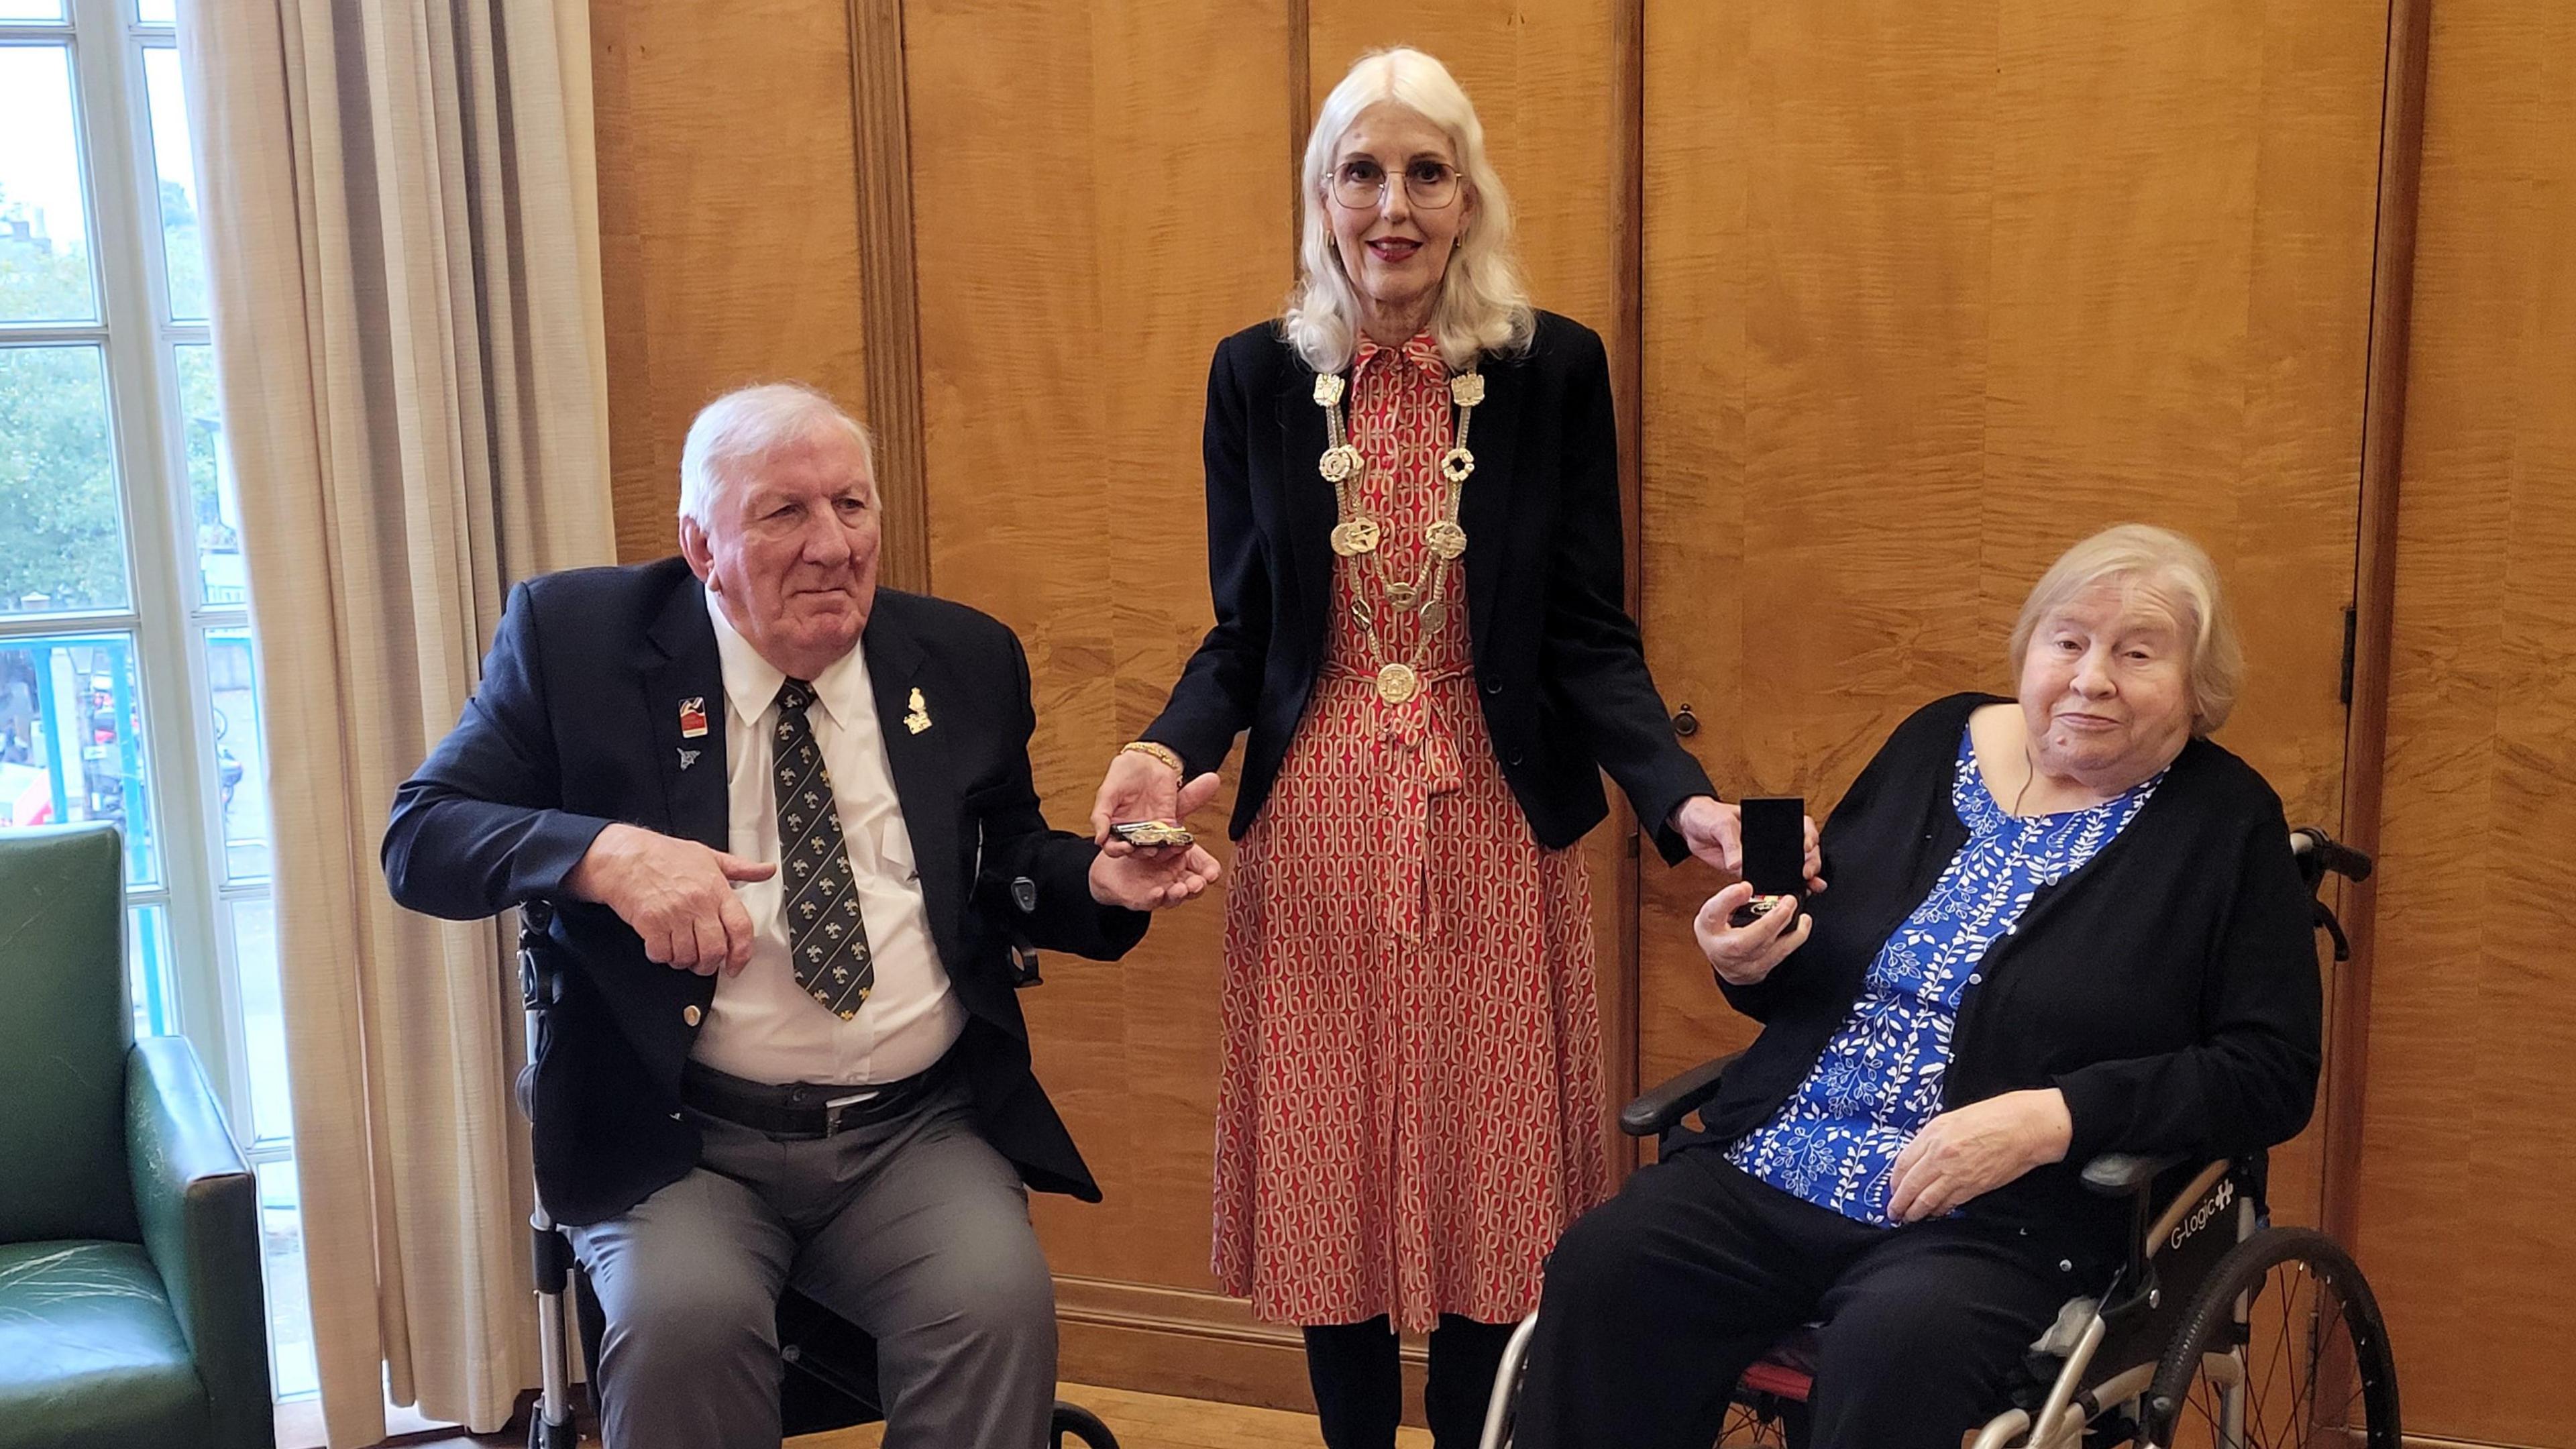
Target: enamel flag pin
[919,719]
[693,717]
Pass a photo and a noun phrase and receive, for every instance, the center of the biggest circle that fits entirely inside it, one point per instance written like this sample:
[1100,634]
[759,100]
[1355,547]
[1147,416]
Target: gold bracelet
[1160,752]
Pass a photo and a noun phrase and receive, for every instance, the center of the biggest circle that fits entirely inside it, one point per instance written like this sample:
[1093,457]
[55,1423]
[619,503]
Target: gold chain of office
[1358,536]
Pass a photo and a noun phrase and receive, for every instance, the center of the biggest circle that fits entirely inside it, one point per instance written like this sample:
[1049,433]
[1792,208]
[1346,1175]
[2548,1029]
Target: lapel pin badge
[919,719]
[693,717]
[688,758]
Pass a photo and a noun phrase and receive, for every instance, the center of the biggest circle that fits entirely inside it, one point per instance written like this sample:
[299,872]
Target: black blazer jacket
[577,724]
[1563,680]
[2169,988]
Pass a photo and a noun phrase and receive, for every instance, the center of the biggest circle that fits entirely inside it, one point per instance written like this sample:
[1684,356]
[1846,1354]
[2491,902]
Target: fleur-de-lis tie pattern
[827,942]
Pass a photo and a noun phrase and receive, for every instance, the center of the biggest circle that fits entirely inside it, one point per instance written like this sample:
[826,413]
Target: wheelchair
[2219,1330]
[830,1378]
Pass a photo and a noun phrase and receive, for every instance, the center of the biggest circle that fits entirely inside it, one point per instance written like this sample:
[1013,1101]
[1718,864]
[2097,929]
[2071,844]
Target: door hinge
[2351,630]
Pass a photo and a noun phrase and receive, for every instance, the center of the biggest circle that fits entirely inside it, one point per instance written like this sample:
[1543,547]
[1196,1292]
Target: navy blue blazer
[578,724]
[1558,664]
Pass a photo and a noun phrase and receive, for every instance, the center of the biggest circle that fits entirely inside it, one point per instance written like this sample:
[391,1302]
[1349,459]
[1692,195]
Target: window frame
[170,625]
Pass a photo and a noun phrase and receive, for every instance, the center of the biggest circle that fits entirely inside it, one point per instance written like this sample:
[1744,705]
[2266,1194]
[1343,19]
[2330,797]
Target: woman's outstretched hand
[1149,877]
[1138,787]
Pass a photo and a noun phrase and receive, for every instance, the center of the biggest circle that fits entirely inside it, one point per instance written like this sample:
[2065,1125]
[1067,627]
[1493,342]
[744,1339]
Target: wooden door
[1935,288]
[1098,198]
[2462,1210]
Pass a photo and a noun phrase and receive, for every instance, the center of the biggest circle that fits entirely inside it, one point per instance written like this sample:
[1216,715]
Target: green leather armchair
[131,1314]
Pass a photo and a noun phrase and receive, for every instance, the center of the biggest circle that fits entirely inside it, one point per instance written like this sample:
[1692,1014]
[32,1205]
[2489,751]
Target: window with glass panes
[127,692]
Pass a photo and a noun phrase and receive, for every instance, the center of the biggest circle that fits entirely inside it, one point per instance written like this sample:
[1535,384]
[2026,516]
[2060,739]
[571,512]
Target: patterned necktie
[827,942]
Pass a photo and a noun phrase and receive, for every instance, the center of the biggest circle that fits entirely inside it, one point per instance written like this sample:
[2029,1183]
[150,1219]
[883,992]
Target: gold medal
[1432,614]
[1355,537]
[1397,683]
[1456,464]
[1447,539]
[1340,464]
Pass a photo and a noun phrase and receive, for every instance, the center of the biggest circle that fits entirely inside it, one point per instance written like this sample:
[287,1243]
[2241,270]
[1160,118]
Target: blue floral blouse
[1836,1140]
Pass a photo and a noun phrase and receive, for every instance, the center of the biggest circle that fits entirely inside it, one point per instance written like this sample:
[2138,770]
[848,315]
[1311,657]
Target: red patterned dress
[1411,1106]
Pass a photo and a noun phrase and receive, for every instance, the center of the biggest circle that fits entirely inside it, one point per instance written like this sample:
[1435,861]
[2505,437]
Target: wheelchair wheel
[2282,1345]
[1081,1426]
[1763,1425]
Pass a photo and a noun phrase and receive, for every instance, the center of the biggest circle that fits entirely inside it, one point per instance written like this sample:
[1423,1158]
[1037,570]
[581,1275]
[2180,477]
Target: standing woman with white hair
[1415,554]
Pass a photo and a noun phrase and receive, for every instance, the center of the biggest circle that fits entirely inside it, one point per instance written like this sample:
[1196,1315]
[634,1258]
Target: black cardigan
[2169,988]
[1564,683]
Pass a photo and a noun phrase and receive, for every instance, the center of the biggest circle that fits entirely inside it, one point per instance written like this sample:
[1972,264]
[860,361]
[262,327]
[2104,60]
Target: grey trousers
[914,1229]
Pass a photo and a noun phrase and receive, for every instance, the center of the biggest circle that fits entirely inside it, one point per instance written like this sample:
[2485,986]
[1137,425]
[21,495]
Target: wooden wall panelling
[2190,308]
[1934,291]
[728,224]
[2374,590]
[1554,86]
[1097,201]
[888,299]
[2462,1227]
[1816,279]
[1203,90]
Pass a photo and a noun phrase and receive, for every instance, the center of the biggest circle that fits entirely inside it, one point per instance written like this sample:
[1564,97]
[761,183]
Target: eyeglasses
[1363,184]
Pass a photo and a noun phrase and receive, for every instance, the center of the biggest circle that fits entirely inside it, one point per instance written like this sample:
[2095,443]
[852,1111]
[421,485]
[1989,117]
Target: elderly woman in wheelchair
[2060,926]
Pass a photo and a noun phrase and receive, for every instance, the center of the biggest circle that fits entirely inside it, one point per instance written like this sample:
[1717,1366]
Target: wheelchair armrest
[2123,1174]
[1661,1108]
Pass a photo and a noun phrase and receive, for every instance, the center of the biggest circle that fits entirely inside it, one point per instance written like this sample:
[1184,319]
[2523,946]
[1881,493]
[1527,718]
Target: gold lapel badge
[919,719]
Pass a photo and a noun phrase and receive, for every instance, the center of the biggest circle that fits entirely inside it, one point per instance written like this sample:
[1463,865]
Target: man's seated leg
[933,1255]
[689,1281]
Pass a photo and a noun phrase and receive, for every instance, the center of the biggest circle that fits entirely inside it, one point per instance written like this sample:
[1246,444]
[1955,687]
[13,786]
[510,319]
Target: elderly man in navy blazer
[787,823]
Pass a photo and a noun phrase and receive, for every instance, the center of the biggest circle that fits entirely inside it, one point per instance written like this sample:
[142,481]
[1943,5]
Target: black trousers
[1359,1382]
[1658,1300]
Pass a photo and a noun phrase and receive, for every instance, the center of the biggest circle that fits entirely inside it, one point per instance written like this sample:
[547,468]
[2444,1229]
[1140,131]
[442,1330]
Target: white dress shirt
[763,1026]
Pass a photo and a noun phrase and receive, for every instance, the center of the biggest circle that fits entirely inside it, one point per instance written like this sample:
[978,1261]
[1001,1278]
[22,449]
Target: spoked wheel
[1761,1424]
[1078,1425]
[2283,1345]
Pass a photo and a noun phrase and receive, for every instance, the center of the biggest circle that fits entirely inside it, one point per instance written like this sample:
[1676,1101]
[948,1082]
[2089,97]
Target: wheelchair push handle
[540,980]
[2320,853]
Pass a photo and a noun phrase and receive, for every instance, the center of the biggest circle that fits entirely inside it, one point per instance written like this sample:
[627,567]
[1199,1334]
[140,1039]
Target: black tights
[1359,1384]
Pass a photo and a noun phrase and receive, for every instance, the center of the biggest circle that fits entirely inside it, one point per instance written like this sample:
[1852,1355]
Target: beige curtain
[402,231]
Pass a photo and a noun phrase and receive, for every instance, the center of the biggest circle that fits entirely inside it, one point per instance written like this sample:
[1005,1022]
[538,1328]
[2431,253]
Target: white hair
[748,424]
[2180,569]
[1483,304]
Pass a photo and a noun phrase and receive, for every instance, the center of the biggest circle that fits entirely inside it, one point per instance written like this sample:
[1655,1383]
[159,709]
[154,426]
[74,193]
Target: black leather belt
[805,1109]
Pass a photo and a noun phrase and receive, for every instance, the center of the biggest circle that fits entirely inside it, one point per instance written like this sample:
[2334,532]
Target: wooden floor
[1141,1421]
[1152,1421]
